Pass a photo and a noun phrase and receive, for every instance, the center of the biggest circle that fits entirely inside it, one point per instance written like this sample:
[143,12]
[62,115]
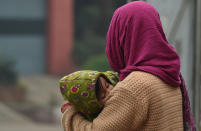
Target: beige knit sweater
[141,102]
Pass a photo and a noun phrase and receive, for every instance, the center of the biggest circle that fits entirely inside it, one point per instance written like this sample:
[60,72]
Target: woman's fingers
[65,106]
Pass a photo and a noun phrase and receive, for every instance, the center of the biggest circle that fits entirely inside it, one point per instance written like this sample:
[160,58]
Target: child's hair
[80,89]
[99,85]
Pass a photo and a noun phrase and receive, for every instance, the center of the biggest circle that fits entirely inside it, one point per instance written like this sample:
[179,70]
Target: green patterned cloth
[79,89]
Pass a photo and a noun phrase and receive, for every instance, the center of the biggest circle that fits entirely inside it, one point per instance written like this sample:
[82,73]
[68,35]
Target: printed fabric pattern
[79,89]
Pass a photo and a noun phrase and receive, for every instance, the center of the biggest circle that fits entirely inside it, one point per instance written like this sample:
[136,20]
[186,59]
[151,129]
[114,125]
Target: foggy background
[43,40]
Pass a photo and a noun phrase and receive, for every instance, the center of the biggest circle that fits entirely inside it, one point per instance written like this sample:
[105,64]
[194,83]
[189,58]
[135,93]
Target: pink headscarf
[136,41]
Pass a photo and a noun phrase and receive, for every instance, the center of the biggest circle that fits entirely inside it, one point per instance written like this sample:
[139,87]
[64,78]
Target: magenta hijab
[136,41]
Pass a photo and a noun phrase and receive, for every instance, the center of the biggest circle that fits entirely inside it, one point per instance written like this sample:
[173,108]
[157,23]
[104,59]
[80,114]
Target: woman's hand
[65,106]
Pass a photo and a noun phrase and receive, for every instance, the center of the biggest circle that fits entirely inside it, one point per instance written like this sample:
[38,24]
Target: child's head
[87,90]
[103,88]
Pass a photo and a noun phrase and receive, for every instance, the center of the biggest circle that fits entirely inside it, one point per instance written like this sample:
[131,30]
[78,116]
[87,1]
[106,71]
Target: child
[88,90]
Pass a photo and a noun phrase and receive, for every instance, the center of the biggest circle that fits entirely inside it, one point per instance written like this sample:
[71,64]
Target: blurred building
[37,35]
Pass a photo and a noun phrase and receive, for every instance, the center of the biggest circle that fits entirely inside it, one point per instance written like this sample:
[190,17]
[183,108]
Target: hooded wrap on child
[79,89]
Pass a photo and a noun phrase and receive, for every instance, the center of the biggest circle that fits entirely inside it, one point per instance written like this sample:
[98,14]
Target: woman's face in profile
[104,90]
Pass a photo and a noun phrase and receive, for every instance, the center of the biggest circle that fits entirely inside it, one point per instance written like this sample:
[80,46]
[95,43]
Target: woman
[151,94]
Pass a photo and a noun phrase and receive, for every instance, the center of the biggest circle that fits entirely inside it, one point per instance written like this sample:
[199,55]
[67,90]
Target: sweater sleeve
[124,110]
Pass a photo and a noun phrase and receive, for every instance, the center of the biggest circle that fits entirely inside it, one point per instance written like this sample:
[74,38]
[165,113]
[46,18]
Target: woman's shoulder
[142,78]
[141,81]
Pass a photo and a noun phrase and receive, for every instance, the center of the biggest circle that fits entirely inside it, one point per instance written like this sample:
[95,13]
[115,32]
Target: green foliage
[98,62]
[92,18]
[90,45]
[94,15]
[7,74]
